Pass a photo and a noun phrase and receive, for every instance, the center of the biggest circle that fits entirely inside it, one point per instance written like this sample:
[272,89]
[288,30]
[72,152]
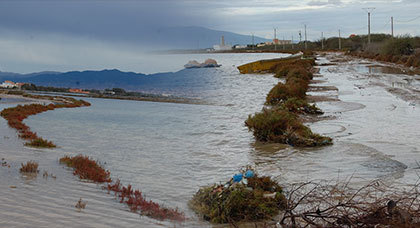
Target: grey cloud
[122,20]
[323,3]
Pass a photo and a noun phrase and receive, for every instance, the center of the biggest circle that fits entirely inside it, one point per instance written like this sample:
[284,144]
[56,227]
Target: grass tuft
[29,167]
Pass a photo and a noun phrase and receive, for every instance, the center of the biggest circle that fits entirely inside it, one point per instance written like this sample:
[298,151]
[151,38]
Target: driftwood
[339,205]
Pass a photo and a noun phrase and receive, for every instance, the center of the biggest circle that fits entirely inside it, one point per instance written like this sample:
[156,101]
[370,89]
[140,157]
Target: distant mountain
[9,74]
[181,83]
[193,37]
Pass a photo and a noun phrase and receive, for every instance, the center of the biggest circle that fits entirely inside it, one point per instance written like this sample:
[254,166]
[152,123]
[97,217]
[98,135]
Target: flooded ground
[170,150]
[373,127]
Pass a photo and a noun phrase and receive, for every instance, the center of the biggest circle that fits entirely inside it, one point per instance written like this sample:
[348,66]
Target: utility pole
[293,47]
[306,39]
[392,26]
[253,41]
[368,10]
[275,43]
[322,40]
[284,44]
[339,39]
[300,39]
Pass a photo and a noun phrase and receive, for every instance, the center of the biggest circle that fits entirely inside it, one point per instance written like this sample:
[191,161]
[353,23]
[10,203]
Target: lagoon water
[166,150]
[170,150]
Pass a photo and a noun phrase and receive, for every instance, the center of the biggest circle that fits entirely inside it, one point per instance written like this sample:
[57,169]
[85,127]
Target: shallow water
[166,150]
[170,150]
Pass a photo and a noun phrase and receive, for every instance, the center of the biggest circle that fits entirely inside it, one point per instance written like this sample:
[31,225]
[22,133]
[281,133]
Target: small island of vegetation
[280,122]
[248,197]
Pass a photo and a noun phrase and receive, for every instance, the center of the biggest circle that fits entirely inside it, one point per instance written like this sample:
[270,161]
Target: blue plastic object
[249,174]
[237,177]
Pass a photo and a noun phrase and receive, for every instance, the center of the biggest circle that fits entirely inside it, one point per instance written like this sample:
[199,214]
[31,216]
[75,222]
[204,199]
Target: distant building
[279,42]
[8,84]
[78,91]
[222,46]
[237,46]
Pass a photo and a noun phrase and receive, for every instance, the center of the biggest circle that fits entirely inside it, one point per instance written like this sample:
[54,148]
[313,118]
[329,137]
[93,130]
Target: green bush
[294,88]
[399,46]
[239,202]
[297,105]
[278,94]
[300,72]
[282,71]
[281,126]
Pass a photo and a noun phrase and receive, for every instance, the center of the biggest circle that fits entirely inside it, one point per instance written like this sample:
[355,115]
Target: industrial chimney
[223,41]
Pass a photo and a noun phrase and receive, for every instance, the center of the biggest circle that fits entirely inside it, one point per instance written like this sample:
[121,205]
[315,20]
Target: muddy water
[170,150]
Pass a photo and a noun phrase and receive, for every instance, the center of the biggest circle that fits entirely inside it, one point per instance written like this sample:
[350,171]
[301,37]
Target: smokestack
[223,41]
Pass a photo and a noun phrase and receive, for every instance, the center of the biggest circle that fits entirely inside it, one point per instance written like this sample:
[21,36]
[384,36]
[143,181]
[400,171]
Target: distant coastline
[4,93]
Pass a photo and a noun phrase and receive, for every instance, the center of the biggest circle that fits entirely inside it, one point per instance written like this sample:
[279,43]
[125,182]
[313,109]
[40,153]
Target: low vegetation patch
[29,167]
[300,106]
[138,203]
[252,199]
[86,168]
[282,126]
[16,115]
[280,123]
[298,74]
[41,143]
[403,50]
[89,169]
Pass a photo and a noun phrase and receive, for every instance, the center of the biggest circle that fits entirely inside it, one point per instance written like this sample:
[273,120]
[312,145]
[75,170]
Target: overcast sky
[35,34]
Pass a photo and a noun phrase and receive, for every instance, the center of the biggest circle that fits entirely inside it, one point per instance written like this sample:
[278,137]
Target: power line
[407,21]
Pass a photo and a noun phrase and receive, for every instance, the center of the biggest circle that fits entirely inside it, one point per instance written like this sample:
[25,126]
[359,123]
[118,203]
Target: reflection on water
[370,68]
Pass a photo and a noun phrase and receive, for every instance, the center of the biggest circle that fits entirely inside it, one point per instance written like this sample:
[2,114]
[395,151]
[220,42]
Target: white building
[240,46]
[222,46]
[8,84]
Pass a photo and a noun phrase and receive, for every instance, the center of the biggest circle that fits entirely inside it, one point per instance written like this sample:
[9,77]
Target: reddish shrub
[40,142]
[16,115]
[135,201]
[86,168]
[89,169]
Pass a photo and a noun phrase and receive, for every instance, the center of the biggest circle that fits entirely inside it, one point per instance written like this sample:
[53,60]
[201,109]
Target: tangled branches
[339,205]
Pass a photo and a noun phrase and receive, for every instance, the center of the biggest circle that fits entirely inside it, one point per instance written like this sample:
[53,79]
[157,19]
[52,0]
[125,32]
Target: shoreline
[157,98]
[25,100]
[16,115]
